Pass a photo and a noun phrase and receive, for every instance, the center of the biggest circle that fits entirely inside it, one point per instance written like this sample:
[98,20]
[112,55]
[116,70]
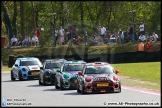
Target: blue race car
[25,68]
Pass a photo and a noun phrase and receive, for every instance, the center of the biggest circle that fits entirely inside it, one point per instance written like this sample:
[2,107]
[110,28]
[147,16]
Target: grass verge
[145,74]
[5,68]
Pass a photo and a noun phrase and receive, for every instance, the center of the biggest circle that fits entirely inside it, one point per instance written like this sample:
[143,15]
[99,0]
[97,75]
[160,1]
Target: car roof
[27,58]
[75,61]
[97,63]
[55,60]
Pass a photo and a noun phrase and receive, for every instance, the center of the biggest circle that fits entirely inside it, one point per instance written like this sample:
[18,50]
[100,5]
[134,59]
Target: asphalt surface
[35,95]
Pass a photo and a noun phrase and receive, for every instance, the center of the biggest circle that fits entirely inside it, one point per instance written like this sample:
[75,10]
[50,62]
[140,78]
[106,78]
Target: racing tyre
[78,90]
[44,83]
[56,86]
[53,81]
[83,88]
[12,78]
[61,84]
[39,79]
[20,76]
[119,89]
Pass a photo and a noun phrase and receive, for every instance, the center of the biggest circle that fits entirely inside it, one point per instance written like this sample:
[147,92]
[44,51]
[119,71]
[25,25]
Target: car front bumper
[70,83]
[50,79]
[114,87]
[30,74]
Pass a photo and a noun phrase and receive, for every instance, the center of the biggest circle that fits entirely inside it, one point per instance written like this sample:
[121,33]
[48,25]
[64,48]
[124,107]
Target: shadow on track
[75,93]
[53,89]
[36,85]
[19,80]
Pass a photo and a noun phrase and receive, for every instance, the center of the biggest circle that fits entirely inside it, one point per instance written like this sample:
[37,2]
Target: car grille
[72,80]
[29,72]
[94,83]
[52,76]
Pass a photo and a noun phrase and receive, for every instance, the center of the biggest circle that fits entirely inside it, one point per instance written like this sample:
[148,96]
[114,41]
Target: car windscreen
[73,67]
[29,62]
[52,65]
[105,69]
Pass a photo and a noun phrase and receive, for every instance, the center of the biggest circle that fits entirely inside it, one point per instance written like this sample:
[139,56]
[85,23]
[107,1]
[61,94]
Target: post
[53,27]
[54,30]
[54,36]
[8,37]
[85,37]
[133,23]
[133,11]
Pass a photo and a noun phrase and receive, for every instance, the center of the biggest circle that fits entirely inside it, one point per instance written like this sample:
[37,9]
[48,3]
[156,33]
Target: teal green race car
[66,76]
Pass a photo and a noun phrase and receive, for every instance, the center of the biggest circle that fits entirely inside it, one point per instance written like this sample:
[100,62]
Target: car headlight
[66,76]
[48,72]
[24,69]
[115,78]
[88,79]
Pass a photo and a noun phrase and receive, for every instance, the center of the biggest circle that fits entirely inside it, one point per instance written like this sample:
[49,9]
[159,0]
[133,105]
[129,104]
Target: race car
[66,76]
[48,71]
[25,68]
[98,77]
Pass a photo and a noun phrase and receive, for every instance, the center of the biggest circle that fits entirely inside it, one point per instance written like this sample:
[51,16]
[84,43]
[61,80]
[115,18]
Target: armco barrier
[129,57]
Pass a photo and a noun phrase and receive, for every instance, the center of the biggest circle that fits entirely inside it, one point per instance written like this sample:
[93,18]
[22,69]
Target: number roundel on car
[66,76]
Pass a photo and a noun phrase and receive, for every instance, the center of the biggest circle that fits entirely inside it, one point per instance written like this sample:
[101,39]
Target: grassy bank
[73,50]
[146,75]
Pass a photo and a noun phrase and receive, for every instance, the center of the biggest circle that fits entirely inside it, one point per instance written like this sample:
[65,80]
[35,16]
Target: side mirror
[80,73]
[117,71]
[41,68]
[16,65]
[58,70]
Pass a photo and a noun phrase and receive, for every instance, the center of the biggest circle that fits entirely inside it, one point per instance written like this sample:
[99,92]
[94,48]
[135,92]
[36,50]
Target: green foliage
[111,14]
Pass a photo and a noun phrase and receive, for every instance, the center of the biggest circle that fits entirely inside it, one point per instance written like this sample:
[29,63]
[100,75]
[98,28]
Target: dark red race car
[98,77]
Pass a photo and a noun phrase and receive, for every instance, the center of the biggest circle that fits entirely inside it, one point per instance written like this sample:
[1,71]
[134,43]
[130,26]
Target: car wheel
[44,83]
[78,90]
[83,88]
[56,86]
[119,90]
[53,81]
[39,79]
[61,84]
[20,76]
[12,77]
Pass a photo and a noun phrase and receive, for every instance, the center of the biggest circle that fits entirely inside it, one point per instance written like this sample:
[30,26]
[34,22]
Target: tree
[14,19]
[6,21]
[22,18]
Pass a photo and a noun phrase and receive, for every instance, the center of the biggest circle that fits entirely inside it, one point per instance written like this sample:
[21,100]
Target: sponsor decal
[34,67]
[101,78]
